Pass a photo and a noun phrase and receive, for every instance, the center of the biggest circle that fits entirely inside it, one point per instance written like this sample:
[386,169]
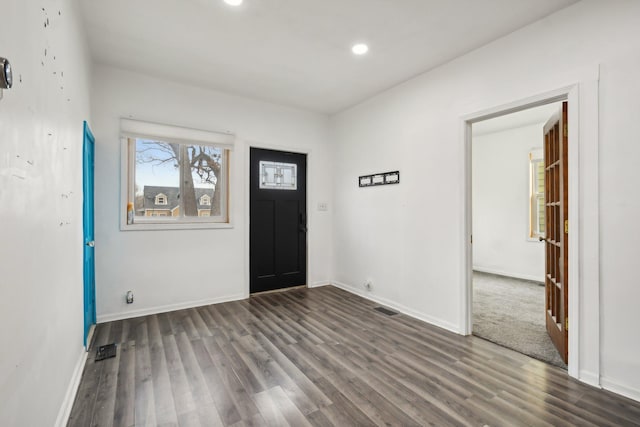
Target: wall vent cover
[105,352]
[385,311]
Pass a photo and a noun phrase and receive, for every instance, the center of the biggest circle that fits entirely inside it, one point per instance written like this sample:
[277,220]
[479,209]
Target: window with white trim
[176,177]
[536,195]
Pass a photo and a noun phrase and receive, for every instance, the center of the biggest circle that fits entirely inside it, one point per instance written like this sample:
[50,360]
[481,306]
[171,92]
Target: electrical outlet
[323,206]
[129,297]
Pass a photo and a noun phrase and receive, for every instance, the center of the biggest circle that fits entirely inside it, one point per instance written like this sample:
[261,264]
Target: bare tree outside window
[188,169]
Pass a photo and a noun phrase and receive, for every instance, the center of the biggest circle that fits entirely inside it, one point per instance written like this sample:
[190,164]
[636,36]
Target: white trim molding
[398,307]
[508,274]
[70,396]
[623,390]
[319,284]
[590,378]
[143,129]
[103,318]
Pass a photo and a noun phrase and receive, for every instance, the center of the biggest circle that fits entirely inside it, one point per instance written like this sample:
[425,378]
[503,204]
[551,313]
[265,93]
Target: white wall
[414,253]
[620,228]
[152,263]
[41,320]
[501,181]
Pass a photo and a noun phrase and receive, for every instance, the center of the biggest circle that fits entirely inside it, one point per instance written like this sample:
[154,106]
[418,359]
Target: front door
[557,229]
[278,220]
[89,262]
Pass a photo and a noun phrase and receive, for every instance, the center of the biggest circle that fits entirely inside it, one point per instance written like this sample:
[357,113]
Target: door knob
[91,243]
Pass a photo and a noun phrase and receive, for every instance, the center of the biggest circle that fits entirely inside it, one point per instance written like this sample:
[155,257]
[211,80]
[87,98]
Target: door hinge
[472,239]
[566,130]
[566,323]
[566,226]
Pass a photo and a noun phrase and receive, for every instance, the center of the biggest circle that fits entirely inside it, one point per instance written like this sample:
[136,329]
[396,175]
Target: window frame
[535,157]
[132,129]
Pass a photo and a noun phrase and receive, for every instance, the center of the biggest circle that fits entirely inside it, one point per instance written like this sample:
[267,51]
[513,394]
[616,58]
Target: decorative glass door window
[278,176]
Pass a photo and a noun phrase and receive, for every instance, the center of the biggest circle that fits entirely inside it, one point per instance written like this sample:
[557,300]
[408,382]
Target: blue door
[89,261]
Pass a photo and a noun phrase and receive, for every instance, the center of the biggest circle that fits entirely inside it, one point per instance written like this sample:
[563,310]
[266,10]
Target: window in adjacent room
[536,194]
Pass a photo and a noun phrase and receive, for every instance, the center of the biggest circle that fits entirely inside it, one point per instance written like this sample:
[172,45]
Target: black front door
[278,220]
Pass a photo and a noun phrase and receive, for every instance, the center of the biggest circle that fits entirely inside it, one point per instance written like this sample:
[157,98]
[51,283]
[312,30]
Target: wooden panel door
[278,220]
[556,230]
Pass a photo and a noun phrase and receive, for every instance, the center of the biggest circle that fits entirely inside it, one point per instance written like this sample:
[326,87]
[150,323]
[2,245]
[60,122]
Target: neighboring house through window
[170,198]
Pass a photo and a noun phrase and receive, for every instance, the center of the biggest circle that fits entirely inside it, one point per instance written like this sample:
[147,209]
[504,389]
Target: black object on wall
[383,178]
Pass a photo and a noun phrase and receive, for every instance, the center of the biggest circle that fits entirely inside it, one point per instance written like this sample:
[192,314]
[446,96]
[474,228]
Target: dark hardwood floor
[323,357]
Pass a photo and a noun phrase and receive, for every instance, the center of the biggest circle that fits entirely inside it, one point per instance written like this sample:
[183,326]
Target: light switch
[323,206]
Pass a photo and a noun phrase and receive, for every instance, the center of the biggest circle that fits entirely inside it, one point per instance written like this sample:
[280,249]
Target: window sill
[149,226]
[534,240]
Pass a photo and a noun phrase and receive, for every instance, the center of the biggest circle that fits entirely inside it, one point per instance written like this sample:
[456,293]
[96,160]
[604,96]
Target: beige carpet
[510,312]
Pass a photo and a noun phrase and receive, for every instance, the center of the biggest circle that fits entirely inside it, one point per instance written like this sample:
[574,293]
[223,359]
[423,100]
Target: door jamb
[248,145]
[584,285]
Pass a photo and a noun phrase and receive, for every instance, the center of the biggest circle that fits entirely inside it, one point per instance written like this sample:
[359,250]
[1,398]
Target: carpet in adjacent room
[510,312]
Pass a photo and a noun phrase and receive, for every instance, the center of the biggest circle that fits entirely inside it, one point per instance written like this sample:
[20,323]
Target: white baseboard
[319,284]
[102,318]
[399,307]
[621,389]
[539,279]
[69,397]
[589,378]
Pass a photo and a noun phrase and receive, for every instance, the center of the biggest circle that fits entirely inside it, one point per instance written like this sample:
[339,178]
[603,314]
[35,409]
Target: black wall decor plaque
[382,178]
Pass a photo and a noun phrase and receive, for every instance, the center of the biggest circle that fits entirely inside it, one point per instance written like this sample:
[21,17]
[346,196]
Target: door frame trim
[248,145]
[584,256]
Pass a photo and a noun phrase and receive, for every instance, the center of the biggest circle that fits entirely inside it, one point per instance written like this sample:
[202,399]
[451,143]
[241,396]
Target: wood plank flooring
[322,357]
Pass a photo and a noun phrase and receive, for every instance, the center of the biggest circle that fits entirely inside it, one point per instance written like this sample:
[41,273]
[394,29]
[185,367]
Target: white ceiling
[532,116]
[297,52]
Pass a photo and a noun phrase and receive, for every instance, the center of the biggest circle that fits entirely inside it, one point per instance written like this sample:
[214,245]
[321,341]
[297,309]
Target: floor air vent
[105,352]
[385,311]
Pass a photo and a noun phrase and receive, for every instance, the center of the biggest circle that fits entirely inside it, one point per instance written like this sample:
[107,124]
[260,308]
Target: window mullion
[183,171]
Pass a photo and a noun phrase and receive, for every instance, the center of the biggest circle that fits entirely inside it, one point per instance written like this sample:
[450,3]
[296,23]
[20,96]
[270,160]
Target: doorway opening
[510,197]
[583,218]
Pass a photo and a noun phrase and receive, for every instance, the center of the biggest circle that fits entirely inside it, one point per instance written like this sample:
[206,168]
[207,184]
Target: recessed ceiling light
[360,49]
[233,2]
